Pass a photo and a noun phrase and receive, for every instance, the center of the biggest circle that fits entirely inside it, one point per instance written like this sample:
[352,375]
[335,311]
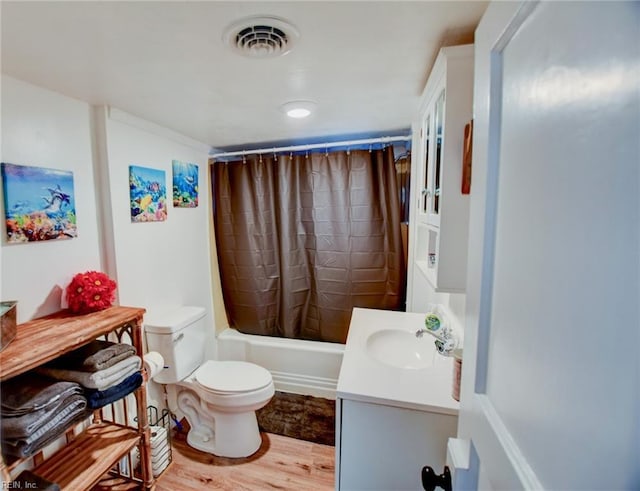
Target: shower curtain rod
[312,146]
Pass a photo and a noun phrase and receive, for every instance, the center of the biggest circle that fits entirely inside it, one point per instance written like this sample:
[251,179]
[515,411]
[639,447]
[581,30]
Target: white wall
[156,264]
[424,294]
[45,129]
[159,263]
[166,262]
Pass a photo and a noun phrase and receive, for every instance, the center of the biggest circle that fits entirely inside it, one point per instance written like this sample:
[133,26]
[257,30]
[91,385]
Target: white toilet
[218,398]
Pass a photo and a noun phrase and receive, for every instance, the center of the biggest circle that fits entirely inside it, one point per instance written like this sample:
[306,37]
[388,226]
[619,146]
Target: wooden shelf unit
[87,457]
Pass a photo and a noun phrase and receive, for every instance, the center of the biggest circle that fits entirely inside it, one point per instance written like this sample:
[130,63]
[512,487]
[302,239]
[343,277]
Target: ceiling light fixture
[298,109]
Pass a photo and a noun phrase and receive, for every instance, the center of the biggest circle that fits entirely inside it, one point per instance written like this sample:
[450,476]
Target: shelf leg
[143,420]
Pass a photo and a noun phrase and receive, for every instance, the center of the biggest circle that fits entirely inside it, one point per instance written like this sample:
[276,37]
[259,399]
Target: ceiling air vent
[261,37]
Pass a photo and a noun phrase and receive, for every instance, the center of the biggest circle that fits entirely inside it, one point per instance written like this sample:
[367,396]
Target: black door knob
[431,480]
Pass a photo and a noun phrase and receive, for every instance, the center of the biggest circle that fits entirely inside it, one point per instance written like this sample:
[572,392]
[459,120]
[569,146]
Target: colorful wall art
[148,194]
[185,184]
[39,203]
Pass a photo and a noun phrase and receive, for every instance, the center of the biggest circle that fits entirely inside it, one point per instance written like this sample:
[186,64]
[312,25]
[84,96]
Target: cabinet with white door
[440,213]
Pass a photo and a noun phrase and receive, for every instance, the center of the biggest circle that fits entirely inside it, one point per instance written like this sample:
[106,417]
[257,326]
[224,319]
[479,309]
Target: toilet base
[232,435]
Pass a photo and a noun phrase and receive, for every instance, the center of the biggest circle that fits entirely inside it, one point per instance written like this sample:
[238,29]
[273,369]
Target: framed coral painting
[185,184]
[39,203]
[148,194]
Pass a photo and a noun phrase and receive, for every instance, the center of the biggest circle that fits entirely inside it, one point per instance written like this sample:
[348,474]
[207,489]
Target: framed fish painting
[185,184]
[148,193]
[39,203]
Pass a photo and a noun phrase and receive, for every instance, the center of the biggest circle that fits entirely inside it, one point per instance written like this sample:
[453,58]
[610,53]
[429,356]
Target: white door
[551,374]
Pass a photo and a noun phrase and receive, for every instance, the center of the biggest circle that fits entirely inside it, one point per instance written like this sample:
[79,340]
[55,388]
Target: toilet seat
[231,377]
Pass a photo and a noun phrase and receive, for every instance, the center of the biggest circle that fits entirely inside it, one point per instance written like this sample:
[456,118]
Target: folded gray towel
[73,405]
[97,355]
[25,425]
[73,412]
[102,379]
[32,392]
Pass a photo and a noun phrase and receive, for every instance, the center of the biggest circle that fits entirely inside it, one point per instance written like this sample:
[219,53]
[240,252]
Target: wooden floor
[280,463]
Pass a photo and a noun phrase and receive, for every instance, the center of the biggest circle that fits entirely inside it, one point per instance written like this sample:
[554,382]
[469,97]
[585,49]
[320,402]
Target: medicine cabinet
[440,212]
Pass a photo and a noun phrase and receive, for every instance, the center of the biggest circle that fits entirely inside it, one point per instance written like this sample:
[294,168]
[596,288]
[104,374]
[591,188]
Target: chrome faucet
[445,341]
[420,332]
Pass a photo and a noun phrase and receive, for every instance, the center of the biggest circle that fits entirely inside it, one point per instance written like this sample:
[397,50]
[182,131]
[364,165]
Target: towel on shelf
[30,392]
[100,380]
[100,398]
[74,411]
[25,425]
[97,355]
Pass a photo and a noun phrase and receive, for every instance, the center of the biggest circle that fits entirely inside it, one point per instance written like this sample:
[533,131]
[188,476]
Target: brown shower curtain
[303,239]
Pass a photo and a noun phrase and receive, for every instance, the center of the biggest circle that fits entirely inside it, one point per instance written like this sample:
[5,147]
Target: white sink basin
[400,349]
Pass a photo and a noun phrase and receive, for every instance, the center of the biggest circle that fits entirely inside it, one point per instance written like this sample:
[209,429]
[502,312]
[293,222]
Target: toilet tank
[179,335]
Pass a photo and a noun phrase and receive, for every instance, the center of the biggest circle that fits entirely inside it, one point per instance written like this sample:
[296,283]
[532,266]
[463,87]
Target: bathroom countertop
[365,379]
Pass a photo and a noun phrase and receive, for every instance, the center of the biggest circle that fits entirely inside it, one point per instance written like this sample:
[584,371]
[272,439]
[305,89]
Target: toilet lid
[232,376]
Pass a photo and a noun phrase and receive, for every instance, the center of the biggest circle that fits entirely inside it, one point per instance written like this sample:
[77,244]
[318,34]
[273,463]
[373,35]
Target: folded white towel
[100,380]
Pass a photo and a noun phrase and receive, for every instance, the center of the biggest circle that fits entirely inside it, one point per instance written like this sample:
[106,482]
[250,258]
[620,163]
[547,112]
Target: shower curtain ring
[275,157]
[370,148]
[306,155]
[290,155]
[260,158]
[244,158]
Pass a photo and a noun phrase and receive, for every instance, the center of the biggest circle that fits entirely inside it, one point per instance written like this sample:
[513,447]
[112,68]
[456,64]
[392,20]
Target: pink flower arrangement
[90,291]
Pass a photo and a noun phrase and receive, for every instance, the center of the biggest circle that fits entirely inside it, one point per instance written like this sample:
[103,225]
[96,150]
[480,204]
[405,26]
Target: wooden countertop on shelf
[41,340]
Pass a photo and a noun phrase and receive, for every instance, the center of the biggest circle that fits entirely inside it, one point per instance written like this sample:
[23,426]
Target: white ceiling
[364,63]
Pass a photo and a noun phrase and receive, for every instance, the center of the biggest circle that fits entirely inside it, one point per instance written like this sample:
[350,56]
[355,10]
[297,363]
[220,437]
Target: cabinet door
[384,448]
[436,169]
[426,169]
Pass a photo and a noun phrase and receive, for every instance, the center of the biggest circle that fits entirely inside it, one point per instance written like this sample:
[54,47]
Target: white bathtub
[297,366]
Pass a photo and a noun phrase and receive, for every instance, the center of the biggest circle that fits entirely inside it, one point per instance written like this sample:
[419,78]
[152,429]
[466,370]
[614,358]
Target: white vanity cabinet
[439,216]
[385,447]
[391,421]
